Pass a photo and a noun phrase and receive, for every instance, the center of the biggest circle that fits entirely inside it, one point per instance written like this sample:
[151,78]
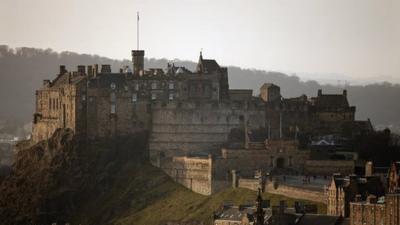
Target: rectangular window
[134,97]
[113,109]
[154,85]
[171,85]
[153,96]
[171,96]
[136,87]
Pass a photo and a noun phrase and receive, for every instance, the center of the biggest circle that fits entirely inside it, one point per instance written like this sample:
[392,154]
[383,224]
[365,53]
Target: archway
[280,163]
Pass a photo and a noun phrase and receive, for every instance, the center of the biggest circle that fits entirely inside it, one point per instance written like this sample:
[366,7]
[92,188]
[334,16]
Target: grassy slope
[145,195]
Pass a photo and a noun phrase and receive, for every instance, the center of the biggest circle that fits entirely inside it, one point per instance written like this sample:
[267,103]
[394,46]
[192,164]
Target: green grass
[145,195]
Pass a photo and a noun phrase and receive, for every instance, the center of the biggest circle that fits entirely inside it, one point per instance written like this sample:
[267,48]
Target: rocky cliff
[51,180]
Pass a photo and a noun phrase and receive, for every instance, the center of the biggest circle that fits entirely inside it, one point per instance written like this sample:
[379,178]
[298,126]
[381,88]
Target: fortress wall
[252,184]
[296,192]
[192,172]
[328,167]
[197,128]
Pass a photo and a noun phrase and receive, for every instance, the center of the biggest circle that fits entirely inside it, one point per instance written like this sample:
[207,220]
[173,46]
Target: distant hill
[23,69]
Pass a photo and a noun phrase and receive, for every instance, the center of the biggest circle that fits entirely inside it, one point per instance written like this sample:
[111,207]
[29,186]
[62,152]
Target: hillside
[66,179]
[22,71]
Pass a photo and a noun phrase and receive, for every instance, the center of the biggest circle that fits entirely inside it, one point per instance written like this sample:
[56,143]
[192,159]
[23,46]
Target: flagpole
[137,31]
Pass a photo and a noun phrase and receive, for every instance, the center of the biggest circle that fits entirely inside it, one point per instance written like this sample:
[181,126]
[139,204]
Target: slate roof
[104,80]
[64,79]
[330,101]
[318,219]
[267,85]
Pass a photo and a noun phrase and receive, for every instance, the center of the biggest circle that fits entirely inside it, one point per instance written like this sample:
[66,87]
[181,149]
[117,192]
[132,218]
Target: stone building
[384,210]
[342,190]
[189,113]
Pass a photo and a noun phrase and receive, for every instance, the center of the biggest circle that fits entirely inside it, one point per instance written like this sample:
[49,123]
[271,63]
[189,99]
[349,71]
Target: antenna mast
[137,31]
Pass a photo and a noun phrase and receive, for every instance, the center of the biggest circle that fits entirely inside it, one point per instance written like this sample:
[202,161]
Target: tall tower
[137,55]
[138,61]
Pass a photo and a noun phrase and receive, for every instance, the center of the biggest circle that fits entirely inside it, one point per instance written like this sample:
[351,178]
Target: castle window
[171,85]
[171,96]
[134,97]
[113,109]
[154,85]
[113,100]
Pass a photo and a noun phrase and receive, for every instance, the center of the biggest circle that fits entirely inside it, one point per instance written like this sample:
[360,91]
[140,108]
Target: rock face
[51,179]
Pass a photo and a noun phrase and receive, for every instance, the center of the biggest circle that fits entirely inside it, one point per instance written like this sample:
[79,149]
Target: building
[343,189]
[193,113]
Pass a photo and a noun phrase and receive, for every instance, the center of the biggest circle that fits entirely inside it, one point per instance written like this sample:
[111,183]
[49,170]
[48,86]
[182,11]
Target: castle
[199,129]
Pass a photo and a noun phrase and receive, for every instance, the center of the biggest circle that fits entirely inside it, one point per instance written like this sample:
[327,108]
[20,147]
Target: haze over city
[354,41]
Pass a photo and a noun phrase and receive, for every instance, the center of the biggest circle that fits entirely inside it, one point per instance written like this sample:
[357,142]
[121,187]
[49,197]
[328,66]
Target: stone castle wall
[296,192]
[195,173]
[183,128]
[328,167]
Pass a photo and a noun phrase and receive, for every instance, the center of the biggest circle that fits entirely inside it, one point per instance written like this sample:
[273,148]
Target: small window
[171,96]
[154,85]
[134,97]
[171,85]
[113,97]
[136,86]
[153,96]
[113,108]
[83,97]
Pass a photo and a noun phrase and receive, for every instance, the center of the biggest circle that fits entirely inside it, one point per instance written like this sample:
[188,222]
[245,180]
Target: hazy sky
[329,40]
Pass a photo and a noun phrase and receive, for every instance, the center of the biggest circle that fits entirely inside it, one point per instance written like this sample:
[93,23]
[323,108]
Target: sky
[332,41]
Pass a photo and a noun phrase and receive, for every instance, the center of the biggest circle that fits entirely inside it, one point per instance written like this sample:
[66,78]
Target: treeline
[23,69]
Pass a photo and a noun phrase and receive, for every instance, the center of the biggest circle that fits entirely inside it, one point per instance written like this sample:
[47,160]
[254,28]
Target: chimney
[369,169]
[81,69]
[357,198]
[62,69]
[319,92]
[90,71]
[345,92]
[96,70]
[105,68]
[371,199]
[138,61]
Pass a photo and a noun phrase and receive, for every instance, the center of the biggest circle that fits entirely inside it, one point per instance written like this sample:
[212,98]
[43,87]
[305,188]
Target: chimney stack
[90,71]
[81,69]
[62,69]
[138,61]
[105,68]
[96,70]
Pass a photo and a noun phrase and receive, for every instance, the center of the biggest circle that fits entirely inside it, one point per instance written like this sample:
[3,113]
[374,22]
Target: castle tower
[138,61]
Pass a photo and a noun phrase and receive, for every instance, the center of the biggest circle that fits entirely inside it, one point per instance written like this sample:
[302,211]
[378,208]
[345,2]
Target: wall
[181,128]
[296,192]
[328,167]
[195,173]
